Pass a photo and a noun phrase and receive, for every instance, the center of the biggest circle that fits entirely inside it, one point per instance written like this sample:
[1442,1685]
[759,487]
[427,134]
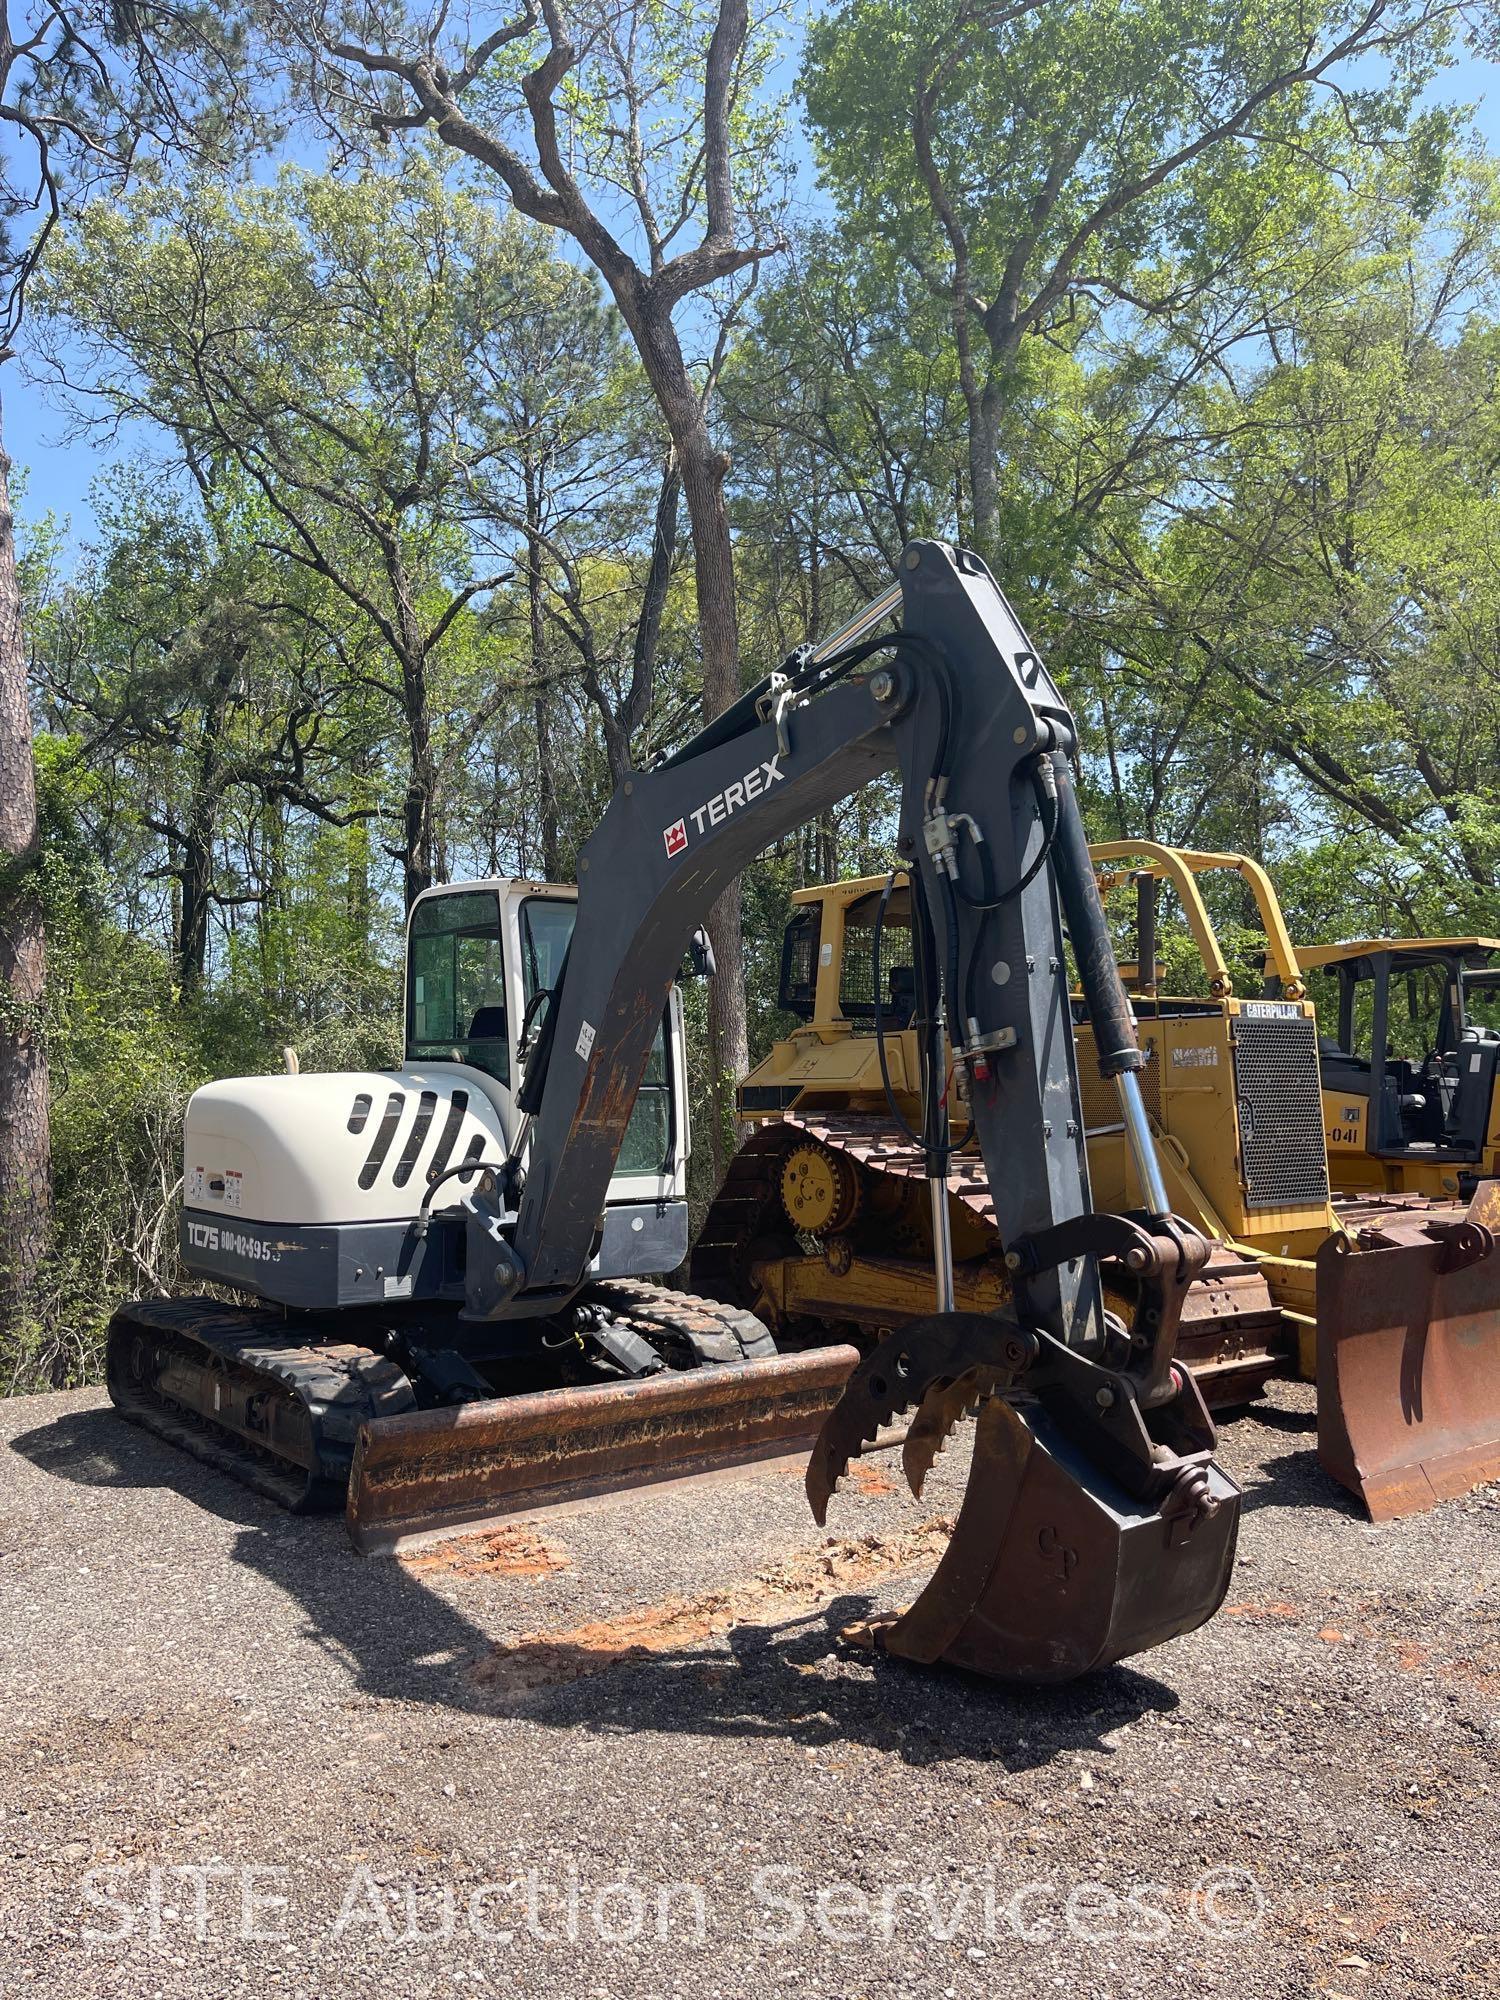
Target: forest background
[425,416]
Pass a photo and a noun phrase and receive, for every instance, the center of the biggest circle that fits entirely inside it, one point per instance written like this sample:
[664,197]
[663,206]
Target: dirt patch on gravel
[870,1479]
[519,1551]
[547,1659]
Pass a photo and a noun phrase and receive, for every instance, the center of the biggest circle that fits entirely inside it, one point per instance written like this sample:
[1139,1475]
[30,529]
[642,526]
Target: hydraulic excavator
[426,1242]
[820,1222]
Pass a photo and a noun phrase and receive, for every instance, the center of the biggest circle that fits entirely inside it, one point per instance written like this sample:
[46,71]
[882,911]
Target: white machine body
[275,1164]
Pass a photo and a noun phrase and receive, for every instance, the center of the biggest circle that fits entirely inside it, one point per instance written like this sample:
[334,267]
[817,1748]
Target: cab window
[857,971]
[546,931]
[455,1003]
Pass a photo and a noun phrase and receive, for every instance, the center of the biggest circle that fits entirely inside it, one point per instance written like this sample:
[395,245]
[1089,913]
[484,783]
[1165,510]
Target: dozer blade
[434,1472]
[1053,1568]
[1409,1359]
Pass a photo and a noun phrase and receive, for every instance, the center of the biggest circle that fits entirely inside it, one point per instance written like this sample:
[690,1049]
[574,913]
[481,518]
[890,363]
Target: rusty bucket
[1054,1568]
[1409,1358]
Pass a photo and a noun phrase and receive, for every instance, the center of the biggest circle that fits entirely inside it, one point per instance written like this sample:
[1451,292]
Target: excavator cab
[1409,1076]
[345,1191]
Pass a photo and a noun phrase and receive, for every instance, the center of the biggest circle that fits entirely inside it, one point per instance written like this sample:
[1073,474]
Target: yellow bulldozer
[823,1220]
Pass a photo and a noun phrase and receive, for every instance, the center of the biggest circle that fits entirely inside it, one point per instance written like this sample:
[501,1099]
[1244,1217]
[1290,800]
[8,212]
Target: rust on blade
[1409,1357]
[434,1471]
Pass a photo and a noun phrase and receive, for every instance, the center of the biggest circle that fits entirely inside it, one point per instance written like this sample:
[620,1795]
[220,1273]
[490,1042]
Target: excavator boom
[1096,1521]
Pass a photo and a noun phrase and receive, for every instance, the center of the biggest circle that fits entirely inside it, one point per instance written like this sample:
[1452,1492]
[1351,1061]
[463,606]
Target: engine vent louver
[1280,1104]
[453,1124]
[381,1143]
[426,1106]
[407,1162]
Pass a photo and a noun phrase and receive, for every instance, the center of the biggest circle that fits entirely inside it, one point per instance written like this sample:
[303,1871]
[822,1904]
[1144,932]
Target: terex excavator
[819,1220]
[1095,1521]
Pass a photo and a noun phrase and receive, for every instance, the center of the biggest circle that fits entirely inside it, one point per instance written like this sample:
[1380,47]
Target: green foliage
[1221,414]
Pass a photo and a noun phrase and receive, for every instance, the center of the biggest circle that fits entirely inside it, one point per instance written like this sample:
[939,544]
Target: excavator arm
[1095,1521]
[959,703]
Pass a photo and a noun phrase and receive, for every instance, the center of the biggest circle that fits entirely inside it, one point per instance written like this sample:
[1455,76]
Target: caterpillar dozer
[819,1219]
[455,1261]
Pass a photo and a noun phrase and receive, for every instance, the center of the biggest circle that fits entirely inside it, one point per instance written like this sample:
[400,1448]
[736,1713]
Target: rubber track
[716,1332]
[343,1384]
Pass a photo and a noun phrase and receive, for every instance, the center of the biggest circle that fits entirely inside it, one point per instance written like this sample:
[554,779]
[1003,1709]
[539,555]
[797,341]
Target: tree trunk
[703,469]
[196,877]
[702,466]
[984,478]
[25,1140]
[357,879]
[417,818]
[546,776]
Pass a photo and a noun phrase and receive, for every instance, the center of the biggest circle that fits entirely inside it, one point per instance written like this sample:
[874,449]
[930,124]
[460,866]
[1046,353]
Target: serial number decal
[1204,1058]
[232,1243]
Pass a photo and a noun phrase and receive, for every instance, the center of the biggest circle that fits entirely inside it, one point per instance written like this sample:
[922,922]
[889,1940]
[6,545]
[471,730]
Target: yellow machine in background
[1410,1100]
[824,1215]
[823,1220]
[1232,1085]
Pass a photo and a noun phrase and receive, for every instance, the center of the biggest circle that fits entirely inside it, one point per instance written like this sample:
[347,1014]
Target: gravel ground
[616,1752]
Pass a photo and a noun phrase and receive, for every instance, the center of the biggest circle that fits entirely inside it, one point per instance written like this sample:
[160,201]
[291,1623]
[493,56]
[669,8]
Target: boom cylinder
[1104,992]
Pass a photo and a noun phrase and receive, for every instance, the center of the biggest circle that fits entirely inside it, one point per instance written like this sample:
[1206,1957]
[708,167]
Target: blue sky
[58,474]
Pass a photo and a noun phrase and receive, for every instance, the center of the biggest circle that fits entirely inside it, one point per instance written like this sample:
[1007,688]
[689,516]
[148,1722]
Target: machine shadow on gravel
[1294,1478]
[785,1681]
[791,1682]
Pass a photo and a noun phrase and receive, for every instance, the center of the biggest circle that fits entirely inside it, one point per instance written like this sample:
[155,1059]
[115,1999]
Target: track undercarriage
[823,1224]
[277,1399]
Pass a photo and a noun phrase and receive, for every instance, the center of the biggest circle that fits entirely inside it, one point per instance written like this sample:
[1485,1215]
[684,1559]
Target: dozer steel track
[321,1425]
[1232,1336]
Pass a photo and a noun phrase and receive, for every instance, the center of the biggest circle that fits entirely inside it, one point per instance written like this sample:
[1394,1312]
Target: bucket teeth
[898,1375]
[943,1408]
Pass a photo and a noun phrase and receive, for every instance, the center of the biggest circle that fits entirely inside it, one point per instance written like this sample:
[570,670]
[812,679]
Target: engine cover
[340,1147]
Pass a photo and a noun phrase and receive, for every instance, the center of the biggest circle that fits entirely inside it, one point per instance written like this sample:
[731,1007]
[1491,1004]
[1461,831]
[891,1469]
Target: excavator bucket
[1409,1357]
[1053,1569]
[427,1473]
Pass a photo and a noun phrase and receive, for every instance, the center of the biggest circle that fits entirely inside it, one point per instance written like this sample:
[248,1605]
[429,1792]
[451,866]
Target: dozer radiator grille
[1101,1099]
[1281,1111]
